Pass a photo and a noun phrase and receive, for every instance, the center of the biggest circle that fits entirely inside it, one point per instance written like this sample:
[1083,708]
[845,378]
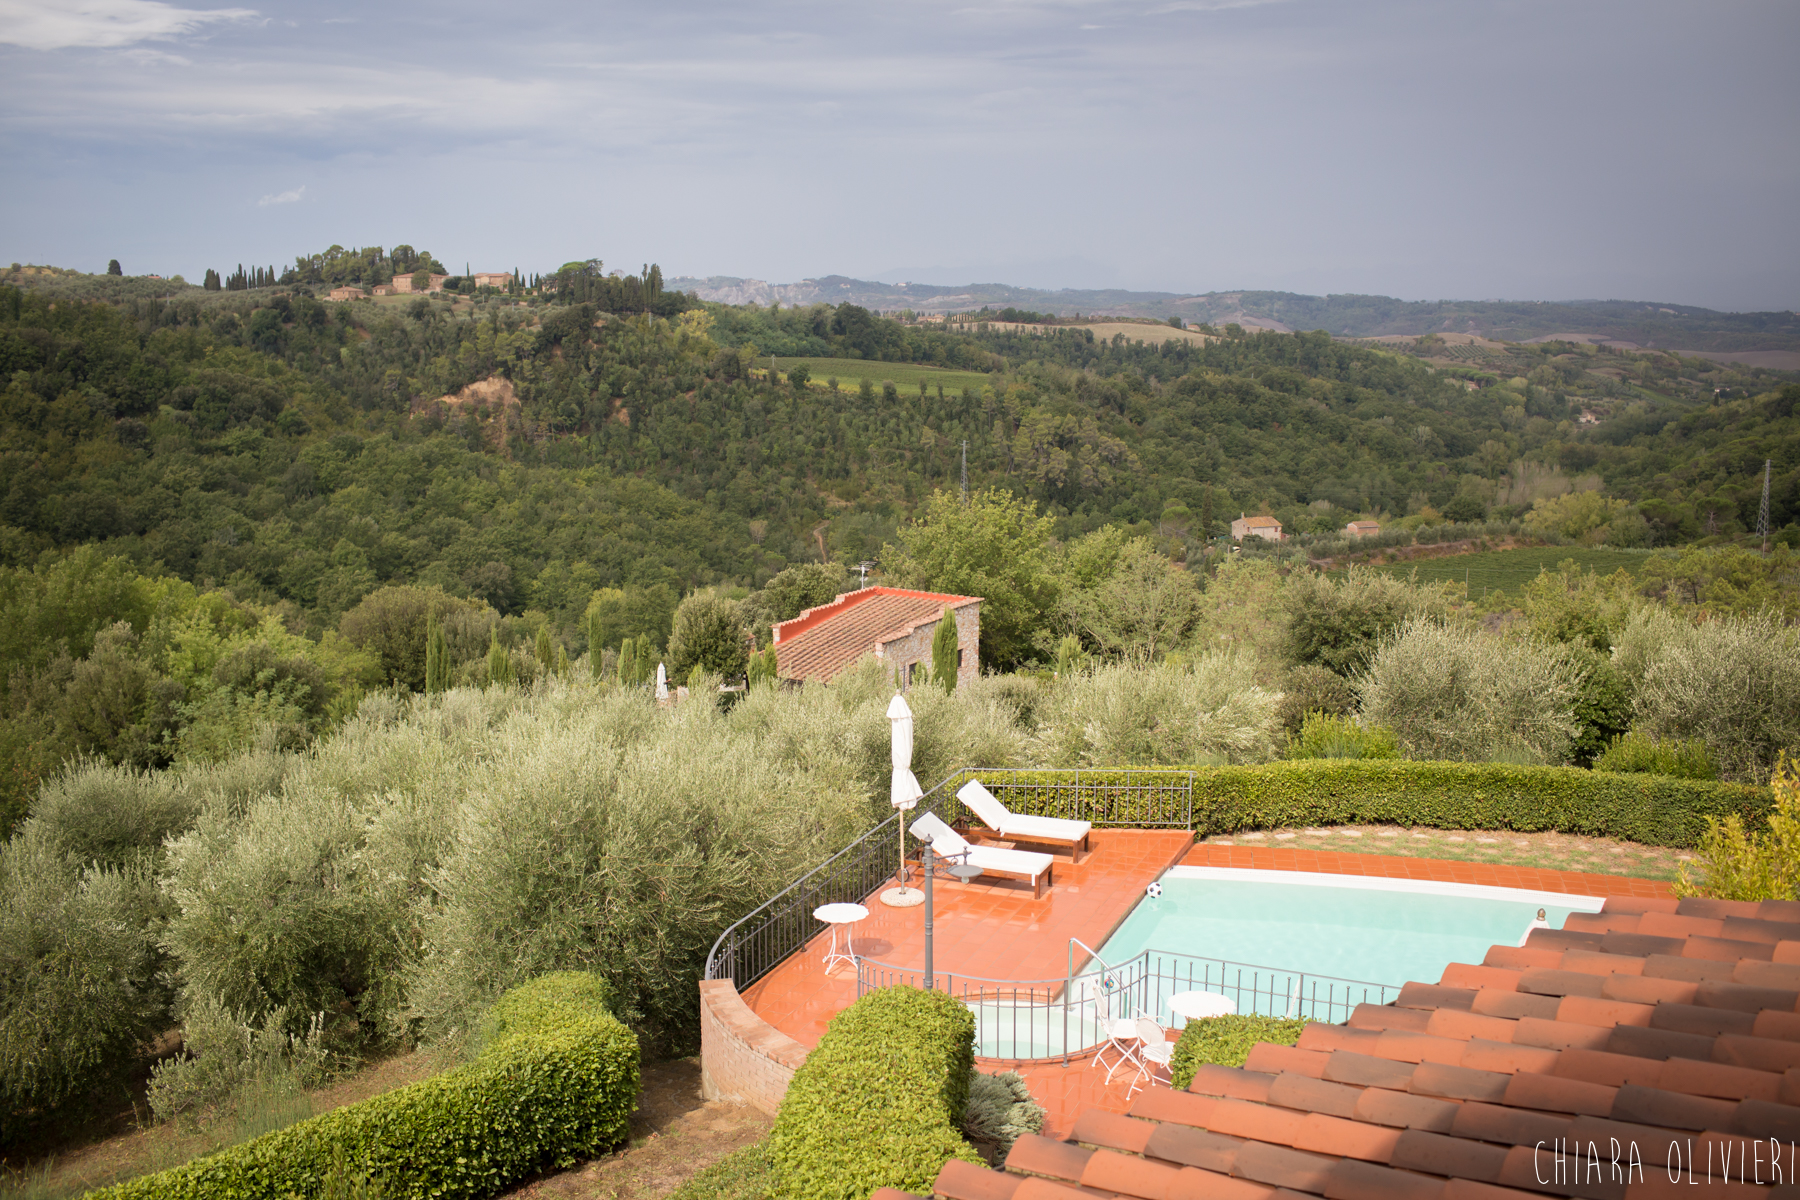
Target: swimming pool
[1388,931]
[1277,943]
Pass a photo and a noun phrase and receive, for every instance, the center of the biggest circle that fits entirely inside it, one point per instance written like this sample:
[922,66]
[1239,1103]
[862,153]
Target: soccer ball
[1154,891]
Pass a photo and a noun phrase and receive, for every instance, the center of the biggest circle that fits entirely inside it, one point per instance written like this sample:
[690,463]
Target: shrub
[1338,624]
[1227,1042]
[392,621]
[1731,682]
[1602,706]
[877,1102]
[1311,689]
[708,635]
[80,975]
[1736,864]
[1326,736]
[1637,752]
[557,1085]
[1118,715]
[110,815]
[1461,694]
[228,1058]
[742,1175]
[1001,1110]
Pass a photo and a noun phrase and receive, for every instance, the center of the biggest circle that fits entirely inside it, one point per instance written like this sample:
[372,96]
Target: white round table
[835,915]
[1197,1006]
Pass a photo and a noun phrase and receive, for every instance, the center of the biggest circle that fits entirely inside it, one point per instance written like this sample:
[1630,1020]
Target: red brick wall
[743,1058]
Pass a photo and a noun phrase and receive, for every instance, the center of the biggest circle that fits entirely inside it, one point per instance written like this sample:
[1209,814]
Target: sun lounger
[1034,869]
[1048,831]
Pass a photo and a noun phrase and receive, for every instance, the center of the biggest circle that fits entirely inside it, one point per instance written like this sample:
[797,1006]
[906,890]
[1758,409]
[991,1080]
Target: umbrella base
[902,897]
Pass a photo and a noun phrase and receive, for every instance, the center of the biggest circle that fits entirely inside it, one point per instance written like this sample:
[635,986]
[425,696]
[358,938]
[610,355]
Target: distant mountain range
[1640,323]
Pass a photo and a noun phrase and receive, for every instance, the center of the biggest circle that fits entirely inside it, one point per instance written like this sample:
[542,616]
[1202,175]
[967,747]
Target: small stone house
[346,293]
[1363,528]
[497,279]
[403,283]
[894,624]
[1267,528]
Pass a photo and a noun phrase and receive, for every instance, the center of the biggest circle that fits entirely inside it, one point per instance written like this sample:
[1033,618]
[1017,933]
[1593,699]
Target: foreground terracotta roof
[1669,1029]
[822,641]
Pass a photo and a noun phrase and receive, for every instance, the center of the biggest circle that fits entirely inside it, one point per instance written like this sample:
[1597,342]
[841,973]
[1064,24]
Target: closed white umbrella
[662,682]
[904,793]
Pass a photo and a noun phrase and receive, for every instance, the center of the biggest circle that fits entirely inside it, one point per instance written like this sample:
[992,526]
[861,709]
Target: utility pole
[1762,514]
[965,480]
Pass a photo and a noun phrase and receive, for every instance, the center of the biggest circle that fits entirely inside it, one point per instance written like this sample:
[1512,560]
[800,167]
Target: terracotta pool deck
[998,931]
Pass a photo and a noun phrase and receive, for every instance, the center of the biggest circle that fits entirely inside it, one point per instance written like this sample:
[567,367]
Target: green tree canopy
[708,635]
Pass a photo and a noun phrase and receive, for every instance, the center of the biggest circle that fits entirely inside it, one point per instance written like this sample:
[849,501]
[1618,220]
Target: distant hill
[1639,323]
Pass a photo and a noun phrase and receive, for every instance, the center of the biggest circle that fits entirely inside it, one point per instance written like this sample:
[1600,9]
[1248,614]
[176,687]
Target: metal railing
[1143,798]
[1047,1019]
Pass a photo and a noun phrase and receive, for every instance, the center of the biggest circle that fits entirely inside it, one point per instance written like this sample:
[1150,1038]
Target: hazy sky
[1641,149]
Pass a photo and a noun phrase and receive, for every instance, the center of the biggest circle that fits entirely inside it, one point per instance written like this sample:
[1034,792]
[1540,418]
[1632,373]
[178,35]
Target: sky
[1486,149]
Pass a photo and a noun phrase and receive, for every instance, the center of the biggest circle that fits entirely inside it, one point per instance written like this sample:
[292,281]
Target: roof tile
[1547,982]
[1266,1056]
[1470,975]
[1434,995]
[1587,1010]
[1554,1093]
[1790,1087]
[1193,1147]
[1760,929]
[1561,1035]
[1544,938]
[1785,1026]
[1704,1022]
[1526,1165]
[1717,1079]
[1097,1128]
[1599,962]
[1313,1095]
[1767,974]
[1044,1189]
[1657,1106]
[1779,910]
[888,1193]
[1657,1043]
[1761,1054]
[1347,1139]
[1786,952]
[1128,1174]
[1383,1106]
[1166,1104]
[1282,1167]
[1419,1047]
[1386,1016]
[1242,1119]
[1469,1189]
[1690,970]
[1639,904]
[1210,1079]
[961,1180]
[861,621]
[1602,922]
[1365,1181]
[1195,1184]
[1761,1119]
[1363,1070]
[1723,950]
[1484,1055]
[1652,1143]
[1745,997]
[1612,1070]
[1458,1083]
[1450,1023]
[1033,1154]
[1493,1002]
[1508,1126]
[1640,945]
[1520,958]
[1640,989]
[1702,906]
[1317,1035]
[1672,926]
[1418,1150]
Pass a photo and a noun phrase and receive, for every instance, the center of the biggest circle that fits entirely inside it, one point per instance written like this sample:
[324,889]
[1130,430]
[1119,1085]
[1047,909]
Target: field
[1134,331]
[1508,570]
[905,376]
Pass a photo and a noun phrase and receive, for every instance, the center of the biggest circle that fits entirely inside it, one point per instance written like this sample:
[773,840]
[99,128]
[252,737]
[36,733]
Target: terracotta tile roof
[822,641]
[1669,1028]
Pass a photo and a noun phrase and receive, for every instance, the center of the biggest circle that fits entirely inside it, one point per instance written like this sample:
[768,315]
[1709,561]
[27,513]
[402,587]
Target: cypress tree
[500,671]
[546,654]
[437,656]
[944,646]
[596,652]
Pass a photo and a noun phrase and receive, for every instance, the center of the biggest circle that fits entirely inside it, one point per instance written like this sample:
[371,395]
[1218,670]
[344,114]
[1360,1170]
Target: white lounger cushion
[1001,820]
[948,843]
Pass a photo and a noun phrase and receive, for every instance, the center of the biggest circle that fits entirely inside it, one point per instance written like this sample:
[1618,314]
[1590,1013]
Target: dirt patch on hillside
[674,1136]
[493,391]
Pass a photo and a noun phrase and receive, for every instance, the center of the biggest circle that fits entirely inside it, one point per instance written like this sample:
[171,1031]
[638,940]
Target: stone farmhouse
[498,279]
[1363,528]
[1267,528]
[893,624]
[403,283]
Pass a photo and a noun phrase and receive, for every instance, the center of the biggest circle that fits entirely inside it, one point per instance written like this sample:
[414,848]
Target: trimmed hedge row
[1227,1042]
[877,1102]
[1655,810]
[556,1081]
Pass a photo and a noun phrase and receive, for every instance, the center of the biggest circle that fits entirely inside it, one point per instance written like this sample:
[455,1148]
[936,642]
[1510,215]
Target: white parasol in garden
[904,793]
[662,682]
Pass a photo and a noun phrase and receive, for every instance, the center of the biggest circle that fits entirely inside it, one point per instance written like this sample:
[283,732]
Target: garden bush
[1460,694]
[878,1101]
[1000,1110]
[1210,708]
[1323,735]
[1227,1042]
[557,1084]
[1637,752]
[1736,863]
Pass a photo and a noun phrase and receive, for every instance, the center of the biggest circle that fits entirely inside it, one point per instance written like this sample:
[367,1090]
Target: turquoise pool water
[1295,923]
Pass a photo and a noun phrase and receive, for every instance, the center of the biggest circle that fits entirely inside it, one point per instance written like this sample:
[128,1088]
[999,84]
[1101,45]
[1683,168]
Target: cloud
[292,197]
[63,24]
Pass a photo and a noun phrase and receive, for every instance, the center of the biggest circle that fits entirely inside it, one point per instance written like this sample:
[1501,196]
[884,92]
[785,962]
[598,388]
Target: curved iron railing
[1138,797]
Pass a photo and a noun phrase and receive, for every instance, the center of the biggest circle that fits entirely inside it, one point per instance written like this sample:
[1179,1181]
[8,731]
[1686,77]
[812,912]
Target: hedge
[877,1102]
[1227,1042]
[555,1082]
[1655,810]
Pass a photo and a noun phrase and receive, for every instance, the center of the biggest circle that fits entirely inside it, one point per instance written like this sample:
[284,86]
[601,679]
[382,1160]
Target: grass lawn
[906,376]
[1509,570]
[1551,851]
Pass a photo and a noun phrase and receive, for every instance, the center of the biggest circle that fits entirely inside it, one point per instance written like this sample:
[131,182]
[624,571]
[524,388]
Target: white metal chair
[1155,1051]
[1121,1032]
